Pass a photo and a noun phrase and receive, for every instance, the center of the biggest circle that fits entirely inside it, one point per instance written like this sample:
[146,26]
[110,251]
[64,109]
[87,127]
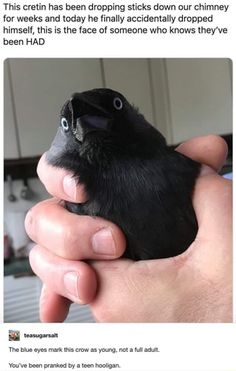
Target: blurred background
[182,98]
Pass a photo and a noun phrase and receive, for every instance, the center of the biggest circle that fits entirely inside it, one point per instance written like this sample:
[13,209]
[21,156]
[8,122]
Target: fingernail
[69,186]
[71,283]
[103,242]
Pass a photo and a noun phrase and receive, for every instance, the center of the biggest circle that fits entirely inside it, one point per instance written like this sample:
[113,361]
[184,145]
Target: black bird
[130,175]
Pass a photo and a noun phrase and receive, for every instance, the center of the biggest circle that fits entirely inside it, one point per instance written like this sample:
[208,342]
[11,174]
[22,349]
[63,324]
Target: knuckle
[217,140]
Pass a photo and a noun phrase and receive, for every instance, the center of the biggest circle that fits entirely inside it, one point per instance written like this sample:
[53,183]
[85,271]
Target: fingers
[74,280]
[59,182]
[73,236]
[49,300]
[210,150]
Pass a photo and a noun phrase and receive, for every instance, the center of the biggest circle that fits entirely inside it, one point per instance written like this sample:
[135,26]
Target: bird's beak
[58,146]
[88,123]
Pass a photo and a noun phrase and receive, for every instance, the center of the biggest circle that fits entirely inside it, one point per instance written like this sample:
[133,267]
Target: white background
[182,346]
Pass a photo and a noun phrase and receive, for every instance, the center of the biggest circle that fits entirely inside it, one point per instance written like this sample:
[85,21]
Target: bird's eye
[117,103]
[64,124]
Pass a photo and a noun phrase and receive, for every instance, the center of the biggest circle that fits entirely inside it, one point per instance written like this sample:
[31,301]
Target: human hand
[64,240]
[192,287]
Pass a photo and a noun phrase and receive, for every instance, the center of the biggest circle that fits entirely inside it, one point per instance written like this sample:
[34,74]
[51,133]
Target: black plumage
[131,176]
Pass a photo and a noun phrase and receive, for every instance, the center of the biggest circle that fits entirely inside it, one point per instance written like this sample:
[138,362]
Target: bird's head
[99,125]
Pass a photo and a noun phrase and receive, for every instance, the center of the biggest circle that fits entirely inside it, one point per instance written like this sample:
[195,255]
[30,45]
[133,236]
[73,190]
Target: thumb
[59,182]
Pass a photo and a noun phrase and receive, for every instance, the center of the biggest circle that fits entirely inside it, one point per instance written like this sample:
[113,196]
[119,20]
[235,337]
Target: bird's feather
[130,175]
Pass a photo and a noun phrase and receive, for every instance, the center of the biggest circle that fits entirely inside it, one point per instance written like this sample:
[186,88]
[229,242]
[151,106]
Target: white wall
[181,97]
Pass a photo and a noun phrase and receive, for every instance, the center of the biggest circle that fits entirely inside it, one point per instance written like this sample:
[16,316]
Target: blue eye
[117,103]
[64,124]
